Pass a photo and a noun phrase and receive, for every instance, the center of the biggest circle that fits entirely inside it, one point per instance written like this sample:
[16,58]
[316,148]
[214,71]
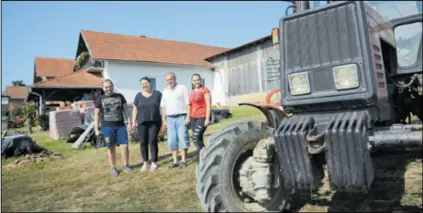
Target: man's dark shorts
[114,135]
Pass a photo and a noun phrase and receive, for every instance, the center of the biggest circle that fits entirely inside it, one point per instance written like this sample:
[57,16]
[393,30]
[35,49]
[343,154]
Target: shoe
[183,164]
[115,172]
[174,165]
[127,169]
[144,167]
[153,167]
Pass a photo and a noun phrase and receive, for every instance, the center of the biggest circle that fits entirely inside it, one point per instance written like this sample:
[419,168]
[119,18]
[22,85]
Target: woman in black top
[146,114]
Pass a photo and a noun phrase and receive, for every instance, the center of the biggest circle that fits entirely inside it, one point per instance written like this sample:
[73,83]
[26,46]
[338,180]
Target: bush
[17,111]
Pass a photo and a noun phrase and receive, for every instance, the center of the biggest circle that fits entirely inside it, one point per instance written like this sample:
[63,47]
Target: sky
[51,29]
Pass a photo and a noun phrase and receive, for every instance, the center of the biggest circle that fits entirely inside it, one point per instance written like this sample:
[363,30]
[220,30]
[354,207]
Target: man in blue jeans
[174,106]
[111,107]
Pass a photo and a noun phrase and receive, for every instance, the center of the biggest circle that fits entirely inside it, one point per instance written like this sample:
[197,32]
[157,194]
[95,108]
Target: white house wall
[126,76]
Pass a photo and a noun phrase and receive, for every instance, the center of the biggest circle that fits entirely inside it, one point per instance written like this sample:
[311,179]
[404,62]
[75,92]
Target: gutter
[41,100]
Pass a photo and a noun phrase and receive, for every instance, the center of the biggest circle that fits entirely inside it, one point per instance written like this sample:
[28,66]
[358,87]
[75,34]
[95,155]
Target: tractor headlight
[346,76]
[299,83]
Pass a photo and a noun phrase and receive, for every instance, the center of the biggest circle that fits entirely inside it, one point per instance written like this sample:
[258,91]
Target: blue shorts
[177,132]
[114,135]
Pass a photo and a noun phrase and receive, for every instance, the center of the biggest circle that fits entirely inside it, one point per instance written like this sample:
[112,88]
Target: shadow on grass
[167,159]
[387,193]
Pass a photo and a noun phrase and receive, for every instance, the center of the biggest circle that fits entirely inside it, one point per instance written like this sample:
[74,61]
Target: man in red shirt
[199,110]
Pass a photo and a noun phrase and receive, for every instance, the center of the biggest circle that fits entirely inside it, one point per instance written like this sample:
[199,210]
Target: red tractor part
[270,94]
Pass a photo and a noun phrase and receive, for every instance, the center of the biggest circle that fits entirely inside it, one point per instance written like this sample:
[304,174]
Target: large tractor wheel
[237,174]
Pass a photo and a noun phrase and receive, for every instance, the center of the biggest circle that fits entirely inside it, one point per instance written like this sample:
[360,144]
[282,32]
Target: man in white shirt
[174,106]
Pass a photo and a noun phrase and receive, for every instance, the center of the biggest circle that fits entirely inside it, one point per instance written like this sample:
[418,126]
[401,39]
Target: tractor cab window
[407,37]
[315,4]
[396,9]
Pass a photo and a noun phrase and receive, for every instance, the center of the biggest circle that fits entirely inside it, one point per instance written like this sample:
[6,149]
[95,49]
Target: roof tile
[53,67]
[16,92]
[136,48]
[77,79]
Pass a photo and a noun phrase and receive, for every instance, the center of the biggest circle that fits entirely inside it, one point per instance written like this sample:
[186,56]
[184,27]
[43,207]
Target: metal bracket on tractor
[274,114]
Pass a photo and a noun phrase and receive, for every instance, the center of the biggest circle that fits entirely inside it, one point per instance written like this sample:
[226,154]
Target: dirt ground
[397,187]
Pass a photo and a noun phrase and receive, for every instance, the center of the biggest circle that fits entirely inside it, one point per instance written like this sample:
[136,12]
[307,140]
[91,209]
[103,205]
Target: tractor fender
[274,114]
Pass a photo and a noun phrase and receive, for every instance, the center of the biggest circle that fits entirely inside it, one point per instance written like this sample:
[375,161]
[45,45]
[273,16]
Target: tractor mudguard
[274,114]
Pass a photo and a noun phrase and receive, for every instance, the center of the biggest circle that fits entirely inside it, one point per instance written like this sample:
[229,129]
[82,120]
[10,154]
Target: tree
[18,83]
[29,111]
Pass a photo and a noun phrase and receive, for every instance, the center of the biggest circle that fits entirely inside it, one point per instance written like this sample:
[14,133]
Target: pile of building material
[62,121]
[83,133]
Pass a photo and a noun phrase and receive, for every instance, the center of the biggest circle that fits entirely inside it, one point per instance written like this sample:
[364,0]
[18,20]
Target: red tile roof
[53,67]
[136,48]
[78,79]
[16,92]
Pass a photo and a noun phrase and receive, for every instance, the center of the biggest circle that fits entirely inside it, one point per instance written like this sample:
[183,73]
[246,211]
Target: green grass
[81,181]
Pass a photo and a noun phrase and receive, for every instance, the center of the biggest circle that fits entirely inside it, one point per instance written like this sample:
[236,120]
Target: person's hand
[97,132]
[187,121]
[206,122]
[129,128]
[134,126]
[164,125]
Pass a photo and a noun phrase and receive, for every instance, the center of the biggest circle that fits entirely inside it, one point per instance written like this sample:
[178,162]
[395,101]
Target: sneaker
[174,165]
[153,167]
[183,164]
[115,172]
[144,167]
[127,169]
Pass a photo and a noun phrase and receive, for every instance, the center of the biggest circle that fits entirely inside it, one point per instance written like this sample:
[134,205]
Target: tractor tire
[214,174]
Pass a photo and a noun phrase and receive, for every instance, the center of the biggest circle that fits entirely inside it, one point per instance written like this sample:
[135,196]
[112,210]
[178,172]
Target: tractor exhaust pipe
[397,137]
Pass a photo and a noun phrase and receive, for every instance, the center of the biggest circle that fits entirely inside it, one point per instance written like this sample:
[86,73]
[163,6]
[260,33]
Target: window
[396,9]
[153,83]
[315,4]
[407,39]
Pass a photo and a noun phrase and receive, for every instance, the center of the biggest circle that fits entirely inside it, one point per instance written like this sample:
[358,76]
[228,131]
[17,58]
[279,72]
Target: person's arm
[135,110]
[162,106]
[126,111]
[189,106]
[207,96]
[186,100]
[97,116]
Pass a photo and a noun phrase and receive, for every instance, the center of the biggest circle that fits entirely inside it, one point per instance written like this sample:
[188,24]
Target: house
[57,80]
[125,59]
[17,95]
[249,71]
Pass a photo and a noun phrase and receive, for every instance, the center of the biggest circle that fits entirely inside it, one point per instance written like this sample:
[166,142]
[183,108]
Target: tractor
[351,85]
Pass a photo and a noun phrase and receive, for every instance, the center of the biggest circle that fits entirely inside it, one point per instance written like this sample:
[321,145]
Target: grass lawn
[82,182]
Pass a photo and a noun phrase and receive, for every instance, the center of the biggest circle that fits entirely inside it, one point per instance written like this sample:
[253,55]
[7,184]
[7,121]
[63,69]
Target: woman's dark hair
[198,75]
[145,78]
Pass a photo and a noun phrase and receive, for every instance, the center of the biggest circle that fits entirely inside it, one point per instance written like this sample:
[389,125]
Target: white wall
[126,76]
